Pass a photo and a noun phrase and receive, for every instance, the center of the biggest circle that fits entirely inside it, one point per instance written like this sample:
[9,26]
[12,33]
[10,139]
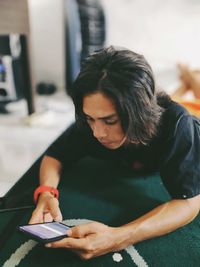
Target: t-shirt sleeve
[69,147]
[180,171]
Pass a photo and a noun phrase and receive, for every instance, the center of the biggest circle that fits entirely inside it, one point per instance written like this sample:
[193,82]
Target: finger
[55,210]
[34,219]
[37,217]
[47,217]
[84,255]
[71,243]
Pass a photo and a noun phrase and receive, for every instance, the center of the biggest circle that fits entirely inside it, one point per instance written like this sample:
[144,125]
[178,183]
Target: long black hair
[127,79]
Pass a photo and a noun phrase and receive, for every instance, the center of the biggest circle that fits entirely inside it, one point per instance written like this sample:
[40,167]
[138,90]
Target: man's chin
[111,145]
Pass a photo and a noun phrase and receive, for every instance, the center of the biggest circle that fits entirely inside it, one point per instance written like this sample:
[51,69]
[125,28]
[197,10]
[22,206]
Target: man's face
[103,119]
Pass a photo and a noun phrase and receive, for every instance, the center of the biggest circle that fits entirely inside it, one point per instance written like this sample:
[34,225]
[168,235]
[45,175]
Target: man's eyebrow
[103,118]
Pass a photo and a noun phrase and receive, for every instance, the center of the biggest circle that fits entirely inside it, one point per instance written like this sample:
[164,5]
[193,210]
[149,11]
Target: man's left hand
[91,240]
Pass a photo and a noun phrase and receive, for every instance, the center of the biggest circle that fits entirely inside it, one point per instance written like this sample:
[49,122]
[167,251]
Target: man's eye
[109,122]
[89,119]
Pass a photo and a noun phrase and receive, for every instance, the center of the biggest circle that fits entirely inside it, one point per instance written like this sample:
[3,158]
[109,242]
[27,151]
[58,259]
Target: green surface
[97,190]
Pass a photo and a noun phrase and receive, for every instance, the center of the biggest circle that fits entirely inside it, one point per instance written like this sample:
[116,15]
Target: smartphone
[45,232]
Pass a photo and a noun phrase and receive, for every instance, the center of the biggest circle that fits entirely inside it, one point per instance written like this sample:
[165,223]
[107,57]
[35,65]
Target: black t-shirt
[174,152]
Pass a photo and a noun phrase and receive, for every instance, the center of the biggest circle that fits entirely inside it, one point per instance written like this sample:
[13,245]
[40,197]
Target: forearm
[50,171]
[47,208]
[160,221]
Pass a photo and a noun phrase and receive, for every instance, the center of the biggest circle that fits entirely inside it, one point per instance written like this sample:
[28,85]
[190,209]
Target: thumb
[55,210]
[81,231]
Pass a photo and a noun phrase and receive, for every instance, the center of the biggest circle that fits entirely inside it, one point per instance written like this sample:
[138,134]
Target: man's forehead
[108,116]
[98,106]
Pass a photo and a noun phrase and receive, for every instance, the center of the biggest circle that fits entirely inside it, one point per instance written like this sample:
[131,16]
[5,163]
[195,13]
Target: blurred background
[42,44]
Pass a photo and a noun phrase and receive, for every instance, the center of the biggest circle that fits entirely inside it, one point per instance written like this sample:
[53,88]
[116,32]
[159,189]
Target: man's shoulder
[175,110]
[174,116]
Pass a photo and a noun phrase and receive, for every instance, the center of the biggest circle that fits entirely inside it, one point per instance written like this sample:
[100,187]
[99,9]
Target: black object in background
[15,82]
[45,88]
[4,45]
[85,32]
[92,20]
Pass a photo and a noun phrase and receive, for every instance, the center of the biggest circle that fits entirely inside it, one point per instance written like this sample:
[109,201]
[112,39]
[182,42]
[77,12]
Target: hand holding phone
[45,232]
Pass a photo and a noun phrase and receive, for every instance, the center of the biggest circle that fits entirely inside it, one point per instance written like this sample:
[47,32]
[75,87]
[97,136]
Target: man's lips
[105,142]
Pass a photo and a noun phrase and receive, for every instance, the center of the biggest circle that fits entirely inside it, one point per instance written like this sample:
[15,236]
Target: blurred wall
[166,32]
[47,32]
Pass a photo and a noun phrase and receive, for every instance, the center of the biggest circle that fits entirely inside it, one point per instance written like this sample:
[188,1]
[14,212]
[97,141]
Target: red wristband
[44,188]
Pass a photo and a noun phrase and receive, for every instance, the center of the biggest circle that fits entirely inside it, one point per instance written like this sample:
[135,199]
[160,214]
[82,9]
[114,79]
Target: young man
[121,117]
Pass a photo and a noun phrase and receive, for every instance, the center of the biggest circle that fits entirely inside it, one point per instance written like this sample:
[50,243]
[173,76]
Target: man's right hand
[47,209]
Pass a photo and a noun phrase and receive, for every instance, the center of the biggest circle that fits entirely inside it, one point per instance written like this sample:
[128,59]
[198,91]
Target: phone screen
[52,230]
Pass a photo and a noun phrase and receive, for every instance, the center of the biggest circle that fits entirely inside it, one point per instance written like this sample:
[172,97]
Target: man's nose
[99,130]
